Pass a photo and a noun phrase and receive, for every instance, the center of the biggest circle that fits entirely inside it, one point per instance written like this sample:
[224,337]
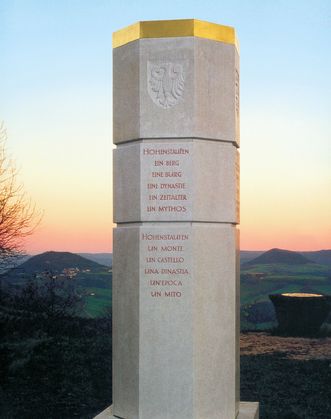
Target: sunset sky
[55,99]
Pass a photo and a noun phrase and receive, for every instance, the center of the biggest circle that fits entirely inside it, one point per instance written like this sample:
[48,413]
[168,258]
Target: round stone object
[300,314]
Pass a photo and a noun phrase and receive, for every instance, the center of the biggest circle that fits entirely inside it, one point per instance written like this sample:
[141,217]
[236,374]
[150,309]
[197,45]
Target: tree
[18,216]
[51,297]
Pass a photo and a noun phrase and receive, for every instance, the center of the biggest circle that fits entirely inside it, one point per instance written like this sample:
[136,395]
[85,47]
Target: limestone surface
[176,181]
[176,244]
[185,87]
[175,332]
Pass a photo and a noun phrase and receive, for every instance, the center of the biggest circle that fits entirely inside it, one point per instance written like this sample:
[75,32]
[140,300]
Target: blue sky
[55,99]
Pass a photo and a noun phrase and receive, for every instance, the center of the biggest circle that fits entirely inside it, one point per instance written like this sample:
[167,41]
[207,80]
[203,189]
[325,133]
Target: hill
[323,257]
[90,280]
[279,256]
[248,255]
[105,259]
[56,262]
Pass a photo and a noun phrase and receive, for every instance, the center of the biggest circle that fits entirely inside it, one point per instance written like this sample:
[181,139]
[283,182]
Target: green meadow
[97,301]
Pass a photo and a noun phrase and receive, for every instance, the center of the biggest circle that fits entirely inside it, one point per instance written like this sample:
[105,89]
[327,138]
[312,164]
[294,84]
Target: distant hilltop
[279,256]
[253,257]
[57,262]
[105,259]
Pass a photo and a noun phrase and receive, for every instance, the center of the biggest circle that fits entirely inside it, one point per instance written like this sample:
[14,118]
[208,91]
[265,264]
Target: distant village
[67,273]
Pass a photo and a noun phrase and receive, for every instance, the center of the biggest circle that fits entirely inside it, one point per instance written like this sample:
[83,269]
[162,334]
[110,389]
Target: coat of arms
[165,83]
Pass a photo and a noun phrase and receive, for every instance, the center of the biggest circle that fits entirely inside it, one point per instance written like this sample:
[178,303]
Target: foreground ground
[290,377]
[62,369]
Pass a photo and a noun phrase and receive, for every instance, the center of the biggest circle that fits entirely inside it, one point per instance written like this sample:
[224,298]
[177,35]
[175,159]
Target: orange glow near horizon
[284,212]
[82,223]
[87,240]
[91,240]
[79,219]
[257,233]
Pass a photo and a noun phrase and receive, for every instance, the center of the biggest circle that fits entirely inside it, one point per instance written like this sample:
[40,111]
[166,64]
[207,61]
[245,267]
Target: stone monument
[176,205]
[300,313]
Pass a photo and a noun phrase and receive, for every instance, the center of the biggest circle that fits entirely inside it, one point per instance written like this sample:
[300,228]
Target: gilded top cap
[175,28]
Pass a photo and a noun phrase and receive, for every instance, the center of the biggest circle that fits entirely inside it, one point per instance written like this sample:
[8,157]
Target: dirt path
[291,347]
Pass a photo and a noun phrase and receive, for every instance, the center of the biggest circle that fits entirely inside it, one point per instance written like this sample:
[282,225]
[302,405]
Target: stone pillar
[176,205]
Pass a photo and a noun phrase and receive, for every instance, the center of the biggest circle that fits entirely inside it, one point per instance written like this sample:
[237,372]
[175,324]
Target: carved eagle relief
[165,83]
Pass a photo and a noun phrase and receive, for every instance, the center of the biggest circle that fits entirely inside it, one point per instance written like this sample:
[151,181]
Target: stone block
[126,97]
[247,410]
[179,87]
[217,91]
[126,319]
[191,180]
[175,336]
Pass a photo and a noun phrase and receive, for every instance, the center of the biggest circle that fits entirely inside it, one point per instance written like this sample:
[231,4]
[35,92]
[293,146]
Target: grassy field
[97,301]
